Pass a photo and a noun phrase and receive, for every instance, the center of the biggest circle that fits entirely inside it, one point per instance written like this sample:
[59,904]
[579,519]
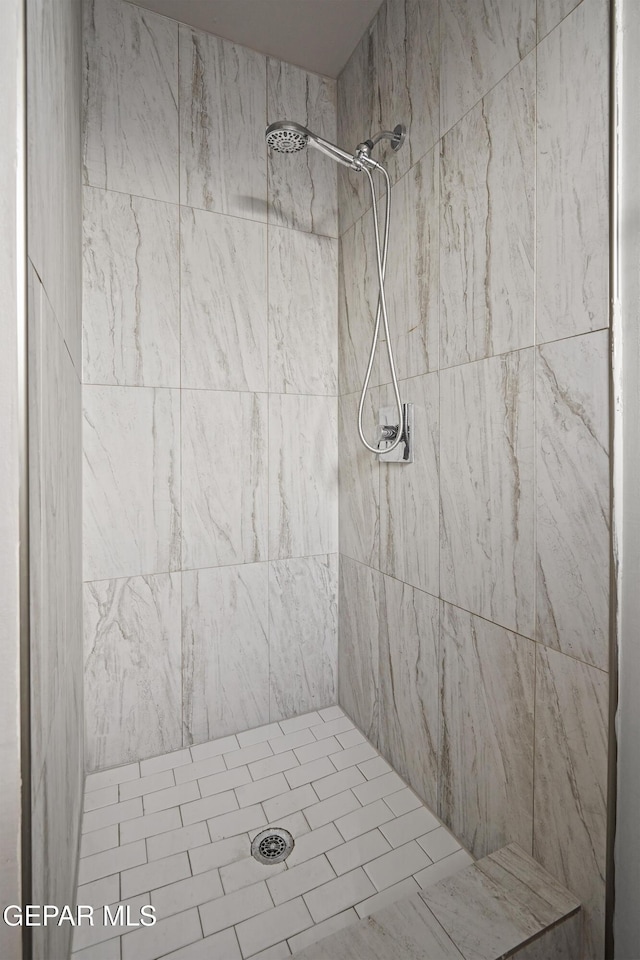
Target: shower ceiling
[318,35]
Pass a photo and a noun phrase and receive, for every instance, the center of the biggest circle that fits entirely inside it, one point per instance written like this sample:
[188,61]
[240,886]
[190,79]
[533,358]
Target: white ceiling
[318,35]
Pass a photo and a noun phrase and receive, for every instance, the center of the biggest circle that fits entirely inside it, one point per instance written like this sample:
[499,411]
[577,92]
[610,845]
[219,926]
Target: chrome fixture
[388,432]
[287,136]
[272,845]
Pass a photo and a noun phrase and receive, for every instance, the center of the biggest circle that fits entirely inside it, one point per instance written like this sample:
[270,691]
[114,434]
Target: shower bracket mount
[388,431]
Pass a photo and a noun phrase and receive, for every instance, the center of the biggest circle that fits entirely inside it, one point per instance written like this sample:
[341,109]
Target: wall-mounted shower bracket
[388,431]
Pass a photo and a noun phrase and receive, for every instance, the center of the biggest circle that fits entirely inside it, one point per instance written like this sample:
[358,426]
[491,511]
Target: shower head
[287,136]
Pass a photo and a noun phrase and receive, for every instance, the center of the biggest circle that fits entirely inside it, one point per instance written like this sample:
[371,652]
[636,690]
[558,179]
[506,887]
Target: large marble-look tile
[409,508]
[572,496]
[223,93]
[357,300]
[487,223]
[303,476]
[479,44]
[131,306]
[303,634]
[409,714]
[486,488]
[303,313]
[486,737]
[223,266]
[225,650]
[54,82]
[551,12]
[570,827]
[55,456]
[303,187]
[357,117]
[359,472]
[131,502]
[358,691]
[132,667]
[407,72]
[130,100]
[224,477]
[411,283]
[572,175]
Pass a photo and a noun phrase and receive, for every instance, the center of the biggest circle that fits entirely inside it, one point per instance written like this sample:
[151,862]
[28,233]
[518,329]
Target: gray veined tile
[131,100]
[486,488]
[303,476]
[486,739]
[412,280]
[224,450]
[223,265]
[409,721]
[131,504]
[409,512]
[570,827]
[132,667]
[359,473]
[487,223]
[225,650]
[303,622]
[54,176]
[479,44]
[357,300]
[222,120]
[303,312]
[302,186]
[407,71]
[572,479]
[131,308]
[357,119]
[358,645]
[551,12]
[572,175]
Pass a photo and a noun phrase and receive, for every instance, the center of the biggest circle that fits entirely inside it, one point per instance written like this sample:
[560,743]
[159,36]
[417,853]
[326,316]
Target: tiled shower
[244,561]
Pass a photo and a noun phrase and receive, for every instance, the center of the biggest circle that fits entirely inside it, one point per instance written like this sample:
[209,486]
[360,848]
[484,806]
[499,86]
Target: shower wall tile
[303,476]
[487,223]
[486,738]
[359,471]
[302,186]
[223,264]
[131,506]
[357,299]
[132,668]
[479,44]
[130,100]
[570,827]
[409,509]
[407,59]
[224,477]
[225,650]
[551,12]
[223,91]
[54,82]
[357,118]
[55,457]
[572,471]
[572,170]
[303,313]
[303,634]
[412,272]
[131,308]
[358,671]
[486,489]
[409,640]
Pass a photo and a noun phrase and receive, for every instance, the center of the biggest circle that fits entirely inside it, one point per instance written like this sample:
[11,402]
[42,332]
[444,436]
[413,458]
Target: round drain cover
[272,846]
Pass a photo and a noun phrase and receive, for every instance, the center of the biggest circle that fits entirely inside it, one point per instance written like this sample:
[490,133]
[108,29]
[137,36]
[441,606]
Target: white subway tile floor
[175,832]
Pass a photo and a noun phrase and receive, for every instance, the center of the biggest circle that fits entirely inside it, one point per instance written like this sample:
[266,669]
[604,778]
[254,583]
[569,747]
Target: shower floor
[175,832]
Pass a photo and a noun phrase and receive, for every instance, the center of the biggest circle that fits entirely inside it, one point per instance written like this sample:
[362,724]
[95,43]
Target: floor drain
[272,846]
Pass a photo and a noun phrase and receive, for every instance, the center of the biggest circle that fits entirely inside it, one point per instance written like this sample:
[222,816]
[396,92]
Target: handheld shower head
[287,136]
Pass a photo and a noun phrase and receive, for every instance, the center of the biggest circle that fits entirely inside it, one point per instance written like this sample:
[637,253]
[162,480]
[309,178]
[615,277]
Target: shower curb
[505,905]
